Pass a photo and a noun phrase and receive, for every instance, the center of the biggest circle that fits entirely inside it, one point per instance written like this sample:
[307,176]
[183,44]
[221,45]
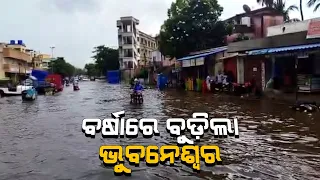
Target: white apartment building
[135,47]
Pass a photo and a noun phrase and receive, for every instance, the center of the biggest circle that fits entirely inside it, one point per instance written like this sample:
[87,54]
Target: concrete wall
[2,74]
[157,56]
[288,28]
[271,42]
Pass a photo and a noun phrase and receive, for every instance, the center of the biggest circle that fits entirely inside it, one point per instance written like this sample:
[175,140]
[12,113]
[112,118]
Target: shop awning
[213,51]
[283,49]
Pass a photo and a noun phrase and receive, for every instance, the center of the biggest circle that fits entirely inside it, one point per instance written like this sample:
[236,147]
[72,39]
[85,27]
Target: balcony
[10,68]
[15,54]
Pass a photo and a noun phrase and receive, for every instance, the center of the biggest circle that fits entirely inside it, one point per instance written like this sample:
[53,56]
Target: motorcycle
[136,98]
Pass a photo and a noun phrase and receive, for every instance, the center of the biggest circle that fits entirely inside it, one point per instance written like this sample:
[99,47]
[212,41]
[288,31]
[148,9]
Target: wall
[230,64]
[273,41]
[251,62]
[269,21]
[169,62]
[293,27]
[2,74]
[157,56]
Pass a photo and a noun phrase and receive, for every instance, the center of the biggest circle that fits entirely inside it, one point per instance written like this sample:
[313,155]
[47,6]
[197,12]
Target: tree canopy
[91,70]
[281,6]
[315,4]
[60,66]
[192,25]
[105,59]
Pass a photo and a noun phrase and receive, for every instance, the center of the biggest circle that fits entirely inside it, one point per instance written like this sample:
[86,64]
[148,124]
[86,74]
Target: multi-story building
[135,47]
[147,46]
[45,61]
[14,60]
[254,24]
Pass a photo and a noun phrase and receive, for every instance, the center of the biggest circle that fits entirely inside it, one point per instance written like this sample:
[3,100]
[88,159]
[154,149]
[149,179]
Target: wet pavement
[43,139]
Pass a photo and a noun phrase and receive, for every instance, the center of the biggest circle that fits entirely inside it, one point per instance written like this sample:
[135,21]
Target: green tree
[106,59]
[60,66]
[79,71]
[315,4]
[91,69]
[192,25]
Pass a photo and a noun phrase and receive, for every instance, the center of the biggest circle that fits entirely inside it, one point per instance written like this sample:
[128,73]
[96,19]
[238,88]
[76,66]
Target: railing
[15,54]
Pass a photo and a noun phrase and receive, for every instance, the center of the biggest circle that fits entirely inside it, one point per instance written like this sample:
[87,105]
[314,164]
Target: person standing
[208,81]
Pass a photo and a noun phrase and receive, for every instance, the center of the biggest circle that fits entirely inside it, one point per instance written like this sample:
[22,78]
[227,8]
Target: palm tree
[280,6]
[301,11]
[315,3]
[267,3]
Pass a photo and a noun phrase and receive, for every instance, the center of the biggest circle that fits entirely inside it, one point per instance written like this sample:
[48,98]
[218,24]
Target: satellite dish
[246,8]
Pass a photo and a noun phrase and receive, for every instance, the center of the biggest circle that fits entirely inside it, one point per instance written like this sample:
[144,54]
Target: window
[127,52]
[130,64]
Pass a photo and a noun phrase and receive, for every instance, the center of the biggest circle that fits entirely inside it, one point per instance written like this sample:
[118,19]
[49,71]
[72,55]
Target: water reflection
[43,139]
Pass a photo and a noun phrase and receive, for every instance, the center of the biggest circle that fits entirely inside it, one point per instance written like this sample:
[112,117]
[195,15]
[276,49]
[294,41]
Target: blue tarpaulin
[113,77]
[39,74]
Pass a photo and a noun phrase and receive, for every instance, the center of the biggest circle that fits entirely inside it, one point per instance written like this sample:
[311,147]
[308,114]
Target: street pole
[52,48]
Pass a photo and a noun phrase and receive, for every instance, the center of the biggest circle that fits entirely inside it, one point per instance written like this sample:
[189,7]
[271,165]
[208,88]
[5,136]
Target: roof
[213,51]
[283,49]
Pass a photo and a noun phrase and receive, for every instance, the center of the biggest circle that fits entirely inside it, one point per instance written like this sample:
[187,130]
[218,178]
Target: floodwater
[42,140]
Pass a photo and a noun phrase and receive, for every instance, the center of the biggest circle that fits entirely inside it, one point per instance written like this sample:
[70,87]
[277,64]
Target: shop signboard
[314,29]
[186,63]
[192,62]
[199,61]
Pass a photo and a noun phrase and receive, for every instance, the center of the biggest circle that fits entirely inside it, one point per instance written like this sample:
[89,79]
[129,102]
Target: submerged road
[42,140]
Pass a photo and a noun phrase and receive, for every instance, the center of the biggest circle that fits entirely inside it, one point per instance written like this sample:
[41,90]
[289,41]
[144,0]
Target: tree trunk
[301,11]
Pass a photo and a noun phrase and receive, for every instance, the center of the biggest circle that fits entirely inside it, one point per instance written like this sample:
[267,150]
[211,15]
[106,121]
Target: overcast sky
[74,27]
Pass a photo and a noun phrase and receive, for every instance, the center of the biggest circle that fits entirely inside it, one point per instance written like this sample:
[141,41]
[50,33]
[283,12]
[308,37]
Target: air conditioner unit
[246,21]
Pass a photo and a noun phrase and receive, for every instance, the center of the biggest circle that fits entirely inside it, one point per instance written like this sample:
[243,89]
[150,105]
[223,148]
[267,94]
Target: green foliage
[241,37]
[60,66]
[91,70]
[315,4]
[79,71]
[143,73]
[105,59]
[192,25]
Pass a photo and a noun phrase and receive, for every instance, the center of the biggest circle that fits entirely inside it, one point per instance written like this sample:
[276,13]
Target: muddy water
[43,139]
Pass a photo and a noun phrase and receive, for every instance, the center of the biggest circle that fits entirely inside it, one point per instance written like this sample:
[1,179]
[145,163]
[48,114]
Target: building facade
[135,47]
[254,24]
[15,60]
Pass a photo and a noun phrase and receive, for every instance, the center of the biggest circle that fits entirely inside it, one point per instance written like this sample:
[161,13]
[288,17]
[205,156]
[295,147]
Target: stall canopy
[283,49]
[213,51]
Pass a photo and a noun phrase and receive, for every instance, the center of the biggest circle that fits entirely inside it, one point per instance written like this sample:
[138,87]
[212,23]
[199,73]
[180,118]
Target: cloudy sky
[74,27]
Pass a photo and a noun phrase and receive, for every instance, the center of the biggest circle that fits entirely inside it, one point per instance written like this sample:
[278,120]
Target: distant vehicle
[7,89]
[56,79]
[85,79]
[76,86]
[92,78]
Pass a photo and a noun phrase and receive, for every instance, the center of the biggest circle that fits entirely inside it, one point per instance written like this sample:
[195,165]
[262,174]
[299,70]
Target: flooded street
[42,140]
